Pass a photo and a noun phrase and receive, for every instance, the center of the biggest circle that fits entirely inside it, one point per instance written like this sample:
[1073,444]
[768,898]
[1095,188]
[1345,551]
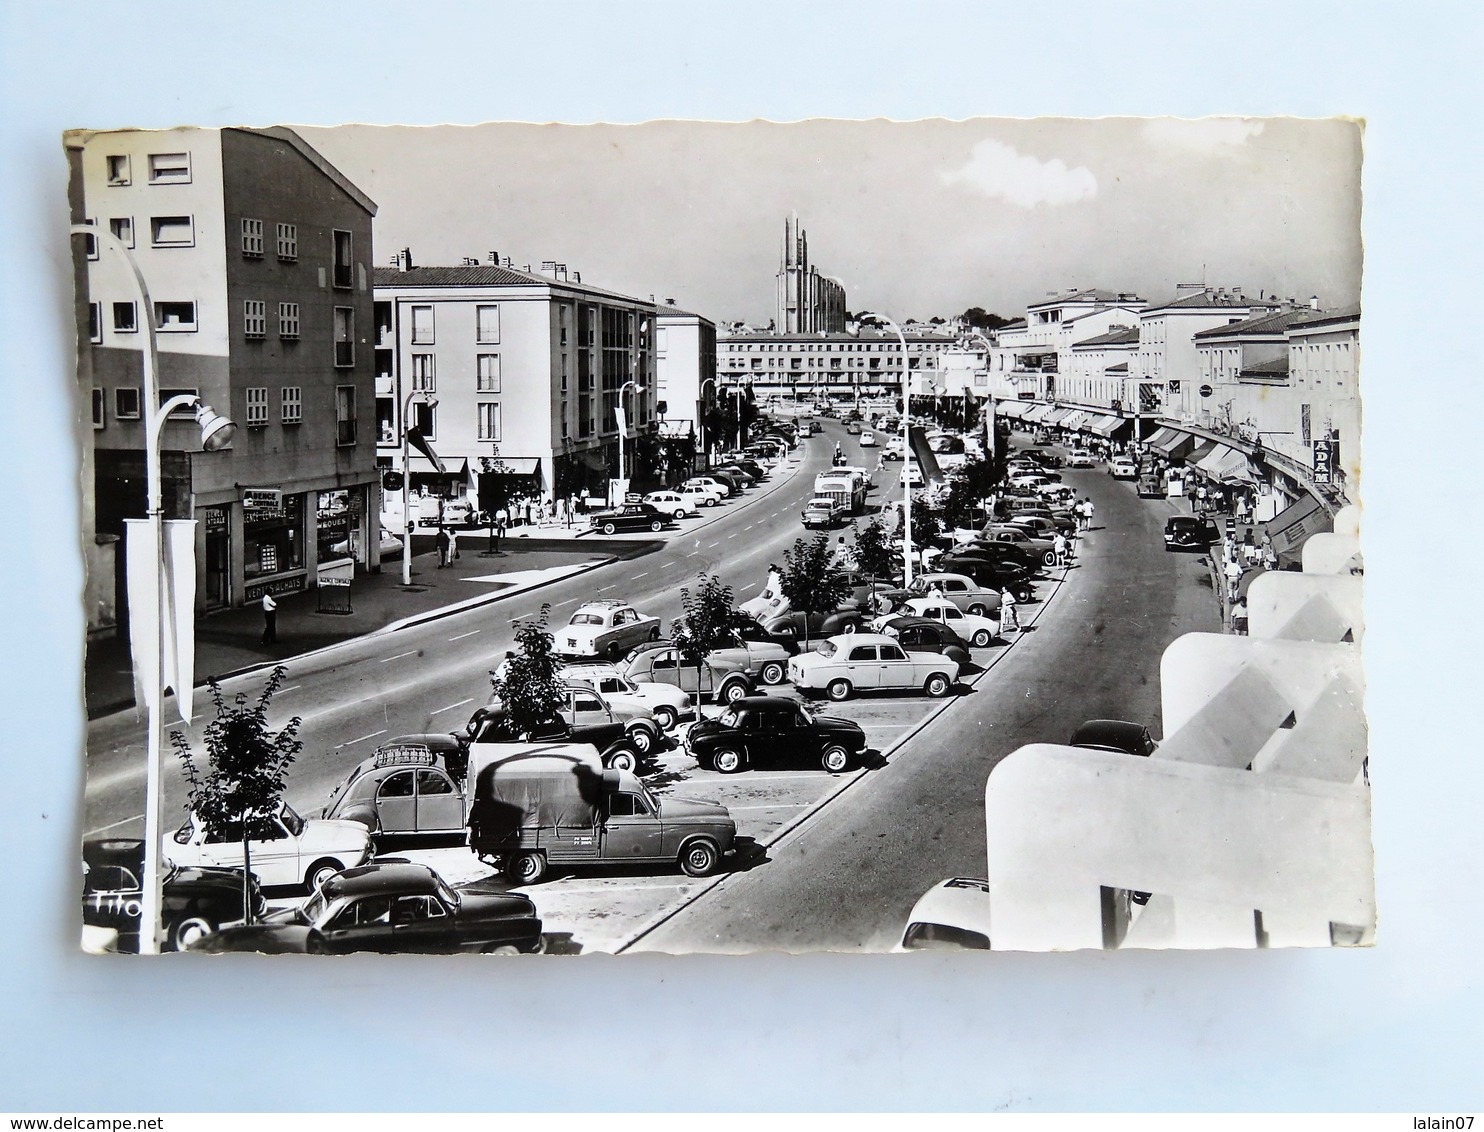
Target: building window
[122,228]
[564,373]
[172,231]
[288,241]
[344,274]
[422,373]
[565,431]
[487,373]
[252,238]
[489,420]
[126,403]
[90,242]
[292,400]
[99,407]
[487,324]
[125,320]
[169,168]
[171,318]
[288,320]
[254,318]
[345,415]
[422,326]
[345,336]
[95,322]
[118,168]
[425,419]
[257,406]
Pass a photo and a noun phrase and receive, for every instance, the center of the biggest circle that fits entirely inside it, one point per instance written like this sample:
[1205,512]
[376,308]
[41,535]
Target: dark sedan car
[990,572]
[1114,735]
[1190,532]
[197,901]
[393,907]
[629,517]
[923,634]
[771,729]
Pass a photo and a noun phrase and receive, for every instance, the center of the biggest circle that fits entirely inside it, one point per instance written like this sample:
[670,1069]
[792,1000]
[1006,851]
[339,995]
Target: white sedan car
[1080,458]
[672,503]
[869,662]
[978,631]
[868,440]
[294,851]
[668,703]
[952,915]
[697,495]
[911,475]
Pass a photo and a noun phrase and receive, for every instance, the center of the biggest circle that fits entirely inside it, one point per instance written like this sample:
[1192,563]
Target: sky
[915,218]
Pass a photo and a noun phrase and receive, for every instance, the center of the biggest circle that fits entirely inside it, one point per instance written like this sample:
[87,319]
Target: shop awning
[1236,468]
[1036,414]
[1058,414]
[518,465]
[1106,426]
[1012,409]
[1212,462]
[454,467]
[1290,528]
[1205,449]
[1075,419]
[1171,443]
[592,458]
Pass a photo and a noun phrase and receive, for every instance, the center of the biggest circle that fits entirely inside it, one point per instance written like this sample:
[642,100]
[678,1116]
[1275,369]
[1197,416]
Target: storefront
[338,524]
[217,525]
[273,542]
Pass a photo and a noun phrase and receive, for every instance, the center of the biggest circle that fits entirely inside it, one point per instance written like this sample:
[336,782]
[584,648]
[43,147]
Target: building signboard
[262,498]
[1324,461]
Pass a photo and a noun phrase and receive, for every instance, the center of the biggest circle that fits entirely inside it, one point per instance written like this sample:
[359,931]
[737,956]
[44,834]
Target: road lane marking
[362,739]
[450,707]
[773,806]
[399,656]
[643,575]
[709,545]
[290,688]
[113,825]
[732,535]
[604,589]
[461,636]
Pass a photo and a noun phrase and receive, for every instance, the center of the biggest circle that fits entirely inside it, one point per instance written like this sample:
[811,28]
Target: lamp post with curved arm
[623,427]
[409,524]
[701,416]
[216,434]
[867,316]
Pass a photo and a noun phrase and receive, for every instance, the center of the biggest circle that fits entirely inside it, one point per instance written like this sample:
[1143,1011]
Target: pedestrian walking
[1009,617]
[1200,499]
[1233,578]
[1059,548]
[453,545]
[270,620]
[442,547]
[530,510]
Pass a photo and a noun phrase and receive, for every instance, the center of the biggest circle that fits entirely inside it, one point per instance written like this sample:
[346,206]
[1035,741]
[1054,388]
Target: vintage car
[1081,458]
[923,634]
[1020,536]
[696,496]
[629,517]
[869,662]
[793,626]
[989,570]
[1151,486]
[978,630]
[1123,468]
[854,428]
[397,908]
[953,915]
[412,786]
[196,901]
[717,680]
[1117,735]
[534,812]
[822,511]
[669,704]
[1190,532]
[672,503]
[868,439]
[762,730]
[290,850]
[588,718]
[604,628]
[960,589]
[710,483]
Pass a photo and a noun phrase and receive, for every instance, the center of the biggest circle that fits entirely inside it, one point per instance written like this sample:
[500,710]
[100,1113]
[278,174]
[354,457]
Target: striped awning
[1171,443]
[1037,414]
[1058,414]
[1212,461]
[1076,419]
[1106,426]
[1011,409]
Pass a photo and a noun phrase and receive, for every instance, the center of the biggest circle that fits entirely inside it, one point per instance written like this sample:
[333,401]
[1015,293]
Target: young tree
[810,579]
[708,619]
[530,684]
[238,793]
[873,553]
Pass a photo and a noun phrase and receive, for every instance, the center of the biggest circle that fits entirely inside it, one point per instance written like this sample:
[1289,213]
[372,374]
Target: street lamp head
[216,430]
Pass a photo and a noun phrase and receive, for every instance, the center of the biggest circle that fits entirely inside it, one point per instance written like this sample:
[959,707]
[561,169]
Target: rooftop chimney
[1313,302]
[406,260]
[495,258]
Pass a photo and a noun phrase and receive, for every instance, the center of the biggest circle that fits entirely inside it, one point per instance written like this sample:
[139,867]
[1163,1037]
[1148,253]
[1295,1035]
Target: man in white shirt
[270,620]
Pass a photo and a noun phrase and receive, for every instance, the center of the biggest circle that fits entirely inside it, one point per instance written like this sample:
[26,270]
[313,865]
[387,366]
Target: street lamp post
[702,415]
[216,434]
[906,444]
[409,524]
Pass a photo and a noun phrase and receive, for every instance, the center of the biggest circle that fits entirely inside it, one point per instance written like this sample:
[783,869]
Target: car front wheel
[699,858]
[727,760]
[773,673]
[643,741]
[838,690]
[731,693]
[666,717]
[656,525]
[981,639]
[623,760]
[937,686]
[835,758]
[978,609]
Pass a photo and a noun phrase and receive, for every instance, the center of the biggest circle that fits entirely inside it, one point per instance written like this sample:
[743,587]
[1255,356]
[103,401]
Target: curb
[789,827]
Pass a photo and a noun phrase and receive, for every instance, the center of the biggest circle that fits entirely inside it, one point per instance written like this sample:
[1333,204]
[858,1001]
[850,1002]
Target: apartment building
[869,363]
[255,253]
[493,364]
[685,373]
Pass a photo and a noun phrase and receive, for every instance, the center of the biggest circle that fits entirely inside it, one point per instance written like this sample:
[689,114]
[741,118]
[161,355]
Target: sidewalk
[231,640]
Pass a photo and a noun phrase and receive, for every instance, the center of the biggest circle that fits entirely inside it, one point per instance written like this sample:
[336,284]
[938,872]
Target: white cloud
[1202,135]
[999,170]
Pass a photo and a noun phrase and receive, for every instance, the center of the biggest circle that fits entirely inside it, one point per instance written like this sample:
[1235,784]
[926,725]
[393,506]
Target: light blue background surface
[1397,1027]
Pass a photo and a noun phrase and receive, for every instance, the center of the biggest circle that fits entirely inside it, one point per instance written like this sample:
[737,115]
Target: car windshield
[728,718]
[808,713]
[450,897]
[294,822]
[586,619]
[315,910]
